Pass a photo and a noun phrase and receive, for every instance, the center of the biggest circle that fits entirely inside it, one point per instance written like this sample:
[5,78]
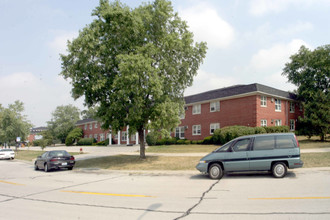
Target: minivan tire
[215,171]
[279,170]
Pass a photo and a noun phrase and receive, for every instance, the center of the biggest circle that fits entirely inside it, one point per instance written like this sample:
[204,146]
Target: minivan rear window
[285,141]
[264,143]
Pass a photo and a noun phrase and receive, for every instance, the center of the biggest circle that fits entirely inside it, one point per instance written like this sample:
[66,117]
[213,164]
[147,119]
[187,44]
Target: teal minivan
[263,152]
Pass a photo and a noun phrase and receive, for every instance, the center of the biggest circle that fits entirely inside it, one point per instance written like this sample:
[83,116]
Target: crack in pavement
[199,202]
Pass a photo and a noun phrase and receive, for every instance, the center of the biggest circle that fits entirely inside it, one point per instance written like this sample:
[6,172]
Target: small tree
[73,136]
[310,71]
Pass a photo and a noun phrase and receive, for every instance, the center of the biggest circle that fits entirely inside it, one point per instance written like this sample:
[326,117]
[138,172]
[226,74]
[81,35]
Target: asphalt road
[99,194]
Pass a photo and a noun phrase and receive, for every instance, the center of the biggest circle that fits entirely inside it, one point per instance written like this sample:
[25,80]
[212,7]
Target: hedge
[86,141]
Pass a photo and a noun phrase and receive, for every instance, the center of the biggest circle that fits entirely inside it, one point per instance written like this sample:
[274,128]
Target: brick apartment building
[92,129]
[35,133]
[251,105]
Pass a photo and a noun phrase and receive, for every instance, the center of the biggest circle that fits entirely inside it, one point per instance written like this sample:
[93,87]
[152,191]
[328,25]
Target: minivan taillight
[297,140]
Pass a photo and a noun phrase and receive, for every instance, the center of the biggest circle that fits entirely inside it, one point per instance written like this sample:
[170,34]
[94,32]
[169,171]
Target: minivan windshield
[224,148]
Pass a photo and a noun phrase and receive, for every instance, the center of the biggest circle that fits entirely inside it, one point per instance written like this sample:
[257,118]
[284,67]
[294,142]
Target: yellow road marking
[106,194]
[286,198]
[2,181]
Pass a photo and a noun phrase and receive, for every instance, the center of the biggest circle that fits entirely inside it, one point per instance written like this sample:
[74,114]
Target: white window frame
[182,116]
[278,122]
[95,136]
[95,125]
[90,136]
[213,127]
[85,128]
[263,123]
[124,136]
[90,126]
[215,106]
[292,107]
[292,125]
[197,109]
[133,137]
[278,105]
[263,101]
[196,130]
[180,132]
[101,137]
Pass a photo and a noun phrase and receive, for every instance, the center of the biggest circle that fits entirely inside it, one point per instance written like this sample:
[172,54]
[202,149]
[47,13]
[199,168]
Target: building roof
[238,90]
[85,121]
[37,130]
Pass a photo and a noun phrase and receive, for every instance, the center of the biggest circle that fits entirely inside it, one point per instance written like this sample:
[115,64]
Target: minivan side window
[264,143]
[285,141]
[241,145]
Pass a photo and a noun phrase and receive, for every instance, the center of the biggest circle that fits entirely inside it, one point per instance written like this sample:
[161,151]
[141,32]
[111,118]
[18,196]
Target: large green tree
[135,65]
[63,121]
[13,123]
[310,71]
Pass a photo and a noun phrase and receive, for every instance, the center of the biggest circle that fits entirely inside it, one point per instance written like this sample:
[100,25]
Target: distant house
[35,133]
[249,105]
[92,129]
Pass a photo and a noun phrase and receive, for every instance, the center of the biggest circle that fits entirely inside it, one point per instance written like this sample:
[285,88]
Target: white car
[7,154]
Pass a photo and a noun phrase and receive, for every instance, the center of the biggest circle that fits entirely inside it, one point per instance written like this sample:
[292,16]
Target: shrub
[200,142]
[74,135]
[259,130]
[187,142]
[208,140]
[223,135]
[180,142]
[277,129]
[170,141]
[103,143]
[193,142]
[86,141]
[151,138]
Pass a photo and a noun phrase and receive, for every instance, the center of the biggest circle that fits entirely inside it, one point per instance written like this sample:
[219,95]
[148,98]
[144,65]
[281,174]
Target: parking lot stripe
[287,198]
[18,184]
[106,194]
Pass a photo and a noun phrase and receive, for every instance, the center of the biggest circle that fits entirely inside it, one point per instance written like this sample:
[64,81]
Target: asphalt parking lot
[100,194]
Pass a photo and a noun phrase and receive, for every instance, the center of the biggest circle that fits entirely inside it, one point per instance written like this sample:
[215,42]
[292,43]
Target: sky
[249,41]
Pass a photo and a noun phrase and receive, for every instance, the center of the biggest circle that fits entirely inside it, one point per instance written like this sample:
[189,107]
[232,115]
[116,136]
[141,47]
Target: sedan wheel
[215,171]
[279,170]
[46,167]
[36,166]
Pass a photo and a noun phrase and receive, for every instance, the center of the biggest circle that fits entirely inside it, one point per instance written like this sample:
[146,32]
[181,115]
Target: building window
[95,136]
[85,126]
[182,116]
[101,137]
[278,105]
[278,122]
[263,101]
[263,123]
[213,127]
[133,137]
[90,136]
[124,136]
[90,126]
[292,107]
[215,106]
[300,107]
[179,132]
[292,127]
[196,109]
[196,129]
[95,125]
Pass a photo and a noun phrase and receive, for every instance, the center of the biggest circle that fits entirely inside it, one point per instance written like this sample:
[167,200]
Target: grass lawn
[182,148]
[129,162]
[31,154]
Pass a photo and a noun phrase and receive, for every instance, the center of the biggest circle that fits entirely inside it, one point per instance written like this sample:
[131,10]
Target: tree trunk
[142,144]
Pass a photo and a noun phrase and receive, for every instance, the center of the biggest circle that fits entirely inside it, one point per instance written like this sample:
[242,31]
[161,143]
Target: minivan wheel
[279,170]
[215,171]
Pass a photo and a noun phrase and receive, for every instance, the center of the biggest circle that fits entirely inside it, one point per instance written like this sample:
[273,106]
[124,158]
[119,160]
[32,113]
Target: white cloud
[207,25]
[205,81]
[59,43]
[40,97]
[266,65]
